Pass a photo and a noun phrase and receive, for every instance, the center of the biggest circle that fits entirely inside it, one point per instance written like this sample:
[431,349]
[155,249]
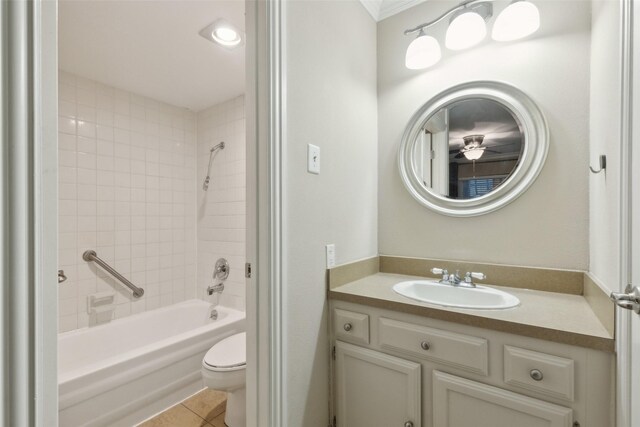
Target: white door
[374,389]
[628,321]
[634,256]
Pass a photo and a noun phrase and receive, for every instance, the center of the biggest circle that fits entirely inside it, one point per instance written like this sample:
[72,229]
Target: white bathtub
[121,373]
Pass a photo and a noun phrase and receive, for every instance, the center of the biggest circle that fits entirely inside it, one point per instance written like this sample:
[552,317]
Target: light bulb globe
[465,30]
[474,154]
[423,52]
[518,20]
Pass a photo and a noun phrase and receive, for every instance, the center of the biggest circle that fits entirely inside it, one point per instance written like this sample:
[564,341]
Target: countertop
[549,316]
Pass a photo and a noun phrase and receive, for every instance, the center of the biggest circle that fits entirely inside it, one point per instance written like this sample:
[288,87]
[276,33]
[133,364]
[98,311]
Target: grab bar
[90,255]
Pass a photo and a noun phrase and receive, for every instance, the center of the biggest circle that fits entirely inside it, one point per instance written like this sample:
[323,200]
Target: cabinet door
[374,389]
[458,402]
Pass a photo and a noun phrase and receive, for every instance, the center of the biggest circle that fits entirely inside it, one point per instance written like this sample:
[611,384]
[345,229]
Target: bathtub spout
[215,289]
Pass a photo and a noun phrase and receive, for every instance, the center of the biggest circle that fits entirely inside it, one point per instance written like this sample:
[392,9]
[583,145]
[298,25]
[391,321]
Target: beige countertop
[550,316]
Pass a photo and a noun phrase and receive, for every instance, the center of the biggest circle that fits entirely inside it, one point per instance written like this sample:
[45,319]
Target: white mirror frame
[534,154]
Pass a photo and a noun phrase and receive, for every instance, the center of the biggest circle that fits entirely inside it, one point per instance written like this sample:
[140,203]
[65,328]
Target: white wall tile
[106,138]
[130,187]
[221,227]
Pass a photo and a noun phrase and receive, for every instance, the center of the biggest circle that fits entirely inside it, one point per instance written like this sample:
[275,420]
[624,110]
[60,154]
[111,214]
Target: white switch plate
[331,255]
[313,159]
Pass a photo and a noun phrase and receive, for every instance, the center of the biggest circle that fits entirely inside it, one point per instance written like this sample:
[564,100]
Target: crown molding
[382,9]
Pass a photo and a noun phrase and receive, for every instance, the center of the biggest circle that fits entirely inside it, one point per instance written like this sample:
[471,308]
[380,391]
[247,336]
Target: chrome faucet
[217,289]
[455,280]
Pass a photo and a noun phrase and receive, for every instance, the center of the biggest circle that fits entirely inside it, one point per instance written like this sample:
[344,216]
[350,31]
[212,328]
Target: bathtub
[125,371]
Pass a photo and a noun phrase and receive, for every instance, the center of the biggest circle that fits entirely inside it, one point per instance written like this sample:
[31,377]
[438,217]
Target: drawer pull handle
[536,375]
[408,424]
[425,345]
[348,326]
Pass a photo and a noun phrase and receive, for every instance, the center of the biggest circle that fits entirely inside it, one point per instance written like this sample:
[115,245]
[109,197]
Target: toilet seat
[230,354]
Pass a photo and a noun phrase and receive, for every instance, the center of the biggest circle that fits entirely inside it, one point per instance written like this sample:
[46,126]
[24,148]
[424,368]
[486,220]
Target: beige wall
[330,102]
[604,202]
[548,225]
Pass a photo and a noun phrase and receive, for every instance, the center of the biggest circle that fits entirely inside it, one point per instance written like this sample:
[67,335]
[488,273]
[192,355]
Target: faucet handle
[476,275]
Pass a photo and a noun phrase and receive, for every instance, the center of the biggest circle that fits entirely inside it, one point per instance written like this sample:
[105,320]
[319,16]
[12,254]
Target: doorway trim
[28,124]
[266,403]
[623,317]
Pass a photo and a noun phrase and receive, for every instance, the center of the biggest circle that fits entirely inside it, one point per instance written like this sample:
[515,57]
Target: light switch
[313,159]
[331,255]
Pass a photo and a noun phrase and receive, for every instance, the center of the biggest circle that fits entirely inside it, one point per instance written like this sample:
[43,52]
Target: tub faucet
[215,289]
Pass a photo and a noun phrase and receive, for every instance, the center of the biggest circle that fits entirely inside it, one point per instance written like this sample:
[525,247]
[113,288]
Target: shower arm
[212,153]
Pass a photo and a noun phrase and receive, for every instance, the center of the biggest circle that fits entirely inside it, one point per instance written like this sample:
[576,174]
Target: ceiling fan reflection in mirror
[473,148]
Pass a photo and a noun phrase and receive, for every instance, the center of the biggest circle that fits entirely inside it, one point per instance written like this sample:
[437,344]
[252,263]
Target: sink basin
[478,298]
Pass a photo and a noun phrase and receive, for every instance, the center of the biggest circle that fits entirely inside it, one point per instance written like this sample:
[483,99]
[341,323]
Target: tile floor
[204,409]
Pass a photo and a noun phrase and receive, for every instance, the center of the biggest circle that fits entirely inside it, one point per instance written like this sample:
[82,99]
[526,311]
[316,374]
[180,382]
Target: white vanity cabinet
[396,369]
[376,389]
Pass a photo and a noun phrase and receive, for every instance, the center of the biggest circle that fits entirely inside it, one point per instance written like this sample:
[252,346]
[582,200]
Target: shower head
[212,154]
[219,146]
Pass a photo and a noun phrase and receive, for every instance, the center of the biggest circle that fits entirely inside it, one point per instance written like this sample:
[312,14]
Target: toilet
[223,368]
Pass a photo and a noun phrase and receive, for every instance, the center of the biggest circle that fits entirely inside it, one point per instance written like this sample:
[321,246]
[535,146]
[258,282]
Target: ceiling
[153,48]
[382,9]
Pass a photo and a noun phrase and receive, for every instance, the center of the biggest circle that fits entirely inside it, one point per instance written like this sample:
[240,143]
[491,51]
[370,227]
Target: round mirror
[473,148]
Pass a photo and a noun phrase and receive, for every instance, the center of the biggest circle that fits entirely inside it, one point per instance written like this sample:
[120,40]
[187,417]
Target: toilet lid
[231,352]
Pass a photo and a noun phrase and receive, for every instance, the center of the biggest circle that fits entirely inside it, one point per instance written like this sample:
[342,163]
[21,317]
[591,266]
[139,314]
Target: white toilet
[223,368]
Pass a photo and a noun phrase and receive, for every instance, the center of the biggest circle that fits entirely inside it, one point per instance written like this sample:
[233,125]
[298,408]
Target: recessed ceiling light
[223,33]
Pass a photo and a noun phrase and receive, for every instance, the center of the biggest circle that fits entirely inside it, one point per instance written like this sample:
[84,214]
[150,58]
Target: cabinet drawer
[350,326]
[447,348]
[539,372]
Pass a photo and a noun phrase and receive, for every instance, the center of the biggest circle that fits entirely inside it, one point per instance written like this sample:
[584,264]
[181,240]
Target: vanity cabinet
[376,389]
[392,368]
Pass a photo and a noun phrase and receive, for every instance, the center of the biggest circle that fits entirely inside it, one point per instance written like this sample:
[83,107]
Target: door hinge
[247,270]
[333,353]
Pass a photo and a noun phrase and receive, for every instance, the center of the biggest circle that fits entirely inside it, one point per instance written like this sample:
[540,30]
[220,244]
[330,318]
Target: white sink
[433,292]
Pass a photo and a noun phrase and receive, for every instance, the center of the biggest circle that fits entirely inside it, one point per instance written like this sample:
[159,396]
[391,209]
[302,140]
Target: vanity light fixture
[467,27]
[223,33]
[516,21]
[423,52]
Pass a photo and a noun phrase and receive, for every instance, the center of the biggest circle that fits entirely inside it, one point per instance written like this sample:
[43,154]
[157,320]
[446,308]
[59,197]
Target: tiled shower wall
[127,190]
[221,209]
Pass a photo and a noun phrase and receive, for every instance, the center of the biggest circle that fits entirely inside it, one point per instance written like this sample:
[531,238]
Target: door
[374,389]
[633,258]
[458,402]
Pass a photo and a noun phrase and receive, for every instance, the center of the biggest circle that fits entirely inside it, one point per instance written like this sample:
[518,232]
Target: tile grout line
[207,423]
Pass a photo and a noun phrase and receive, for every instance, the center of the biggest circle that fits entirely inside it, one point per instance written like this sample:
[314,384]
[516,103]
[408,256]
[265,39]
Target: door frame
[628,38]
[31,395]
[29,185]
[266,403]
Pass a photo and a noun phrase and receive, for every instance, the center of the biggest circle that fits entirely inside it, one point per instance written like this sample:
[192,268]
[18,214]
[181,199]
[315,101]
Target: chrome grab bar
[90,255]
